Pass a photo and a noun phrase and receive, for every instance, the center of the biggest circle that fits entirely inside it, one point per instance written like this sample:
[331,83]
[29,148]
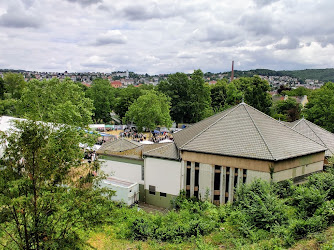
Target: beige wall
[252,164]
[298,171]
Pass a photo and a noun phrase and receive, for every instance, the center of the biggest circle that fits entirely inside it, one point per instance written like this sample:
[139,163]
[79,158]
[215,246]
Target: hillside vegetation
[324,75]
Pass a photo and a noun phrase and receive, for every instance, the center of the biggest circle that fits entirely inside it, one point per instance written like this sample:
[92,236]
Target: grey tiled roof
[317,134]
[166,150]
[119,145]
[243,131]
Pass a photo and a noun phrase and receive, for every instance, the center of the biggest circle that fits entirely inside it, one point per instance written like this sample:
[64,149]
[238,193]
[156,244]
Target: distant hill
[323,75]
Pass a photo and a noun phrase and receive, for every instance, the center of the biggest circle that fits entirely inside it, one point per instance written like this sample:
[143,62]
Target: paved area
[152,209]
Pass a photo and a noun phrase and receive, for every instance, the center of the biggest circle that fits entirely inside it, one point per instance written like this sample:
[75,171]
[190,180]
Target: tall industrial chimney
[232,73]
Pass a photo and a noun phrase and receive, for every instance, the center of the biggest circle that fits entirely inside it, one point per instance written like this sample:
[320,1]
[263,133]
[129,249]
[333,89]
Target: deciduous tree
[149,111]
[56,101]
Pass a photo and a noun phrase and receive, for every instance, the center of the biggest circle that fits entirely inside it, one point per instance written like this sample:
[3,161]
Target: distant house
[116,84]
[212,157]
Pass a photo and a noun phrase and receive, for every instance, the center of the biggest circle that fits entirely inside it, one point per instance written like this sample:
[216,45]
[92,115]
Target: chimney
[232,73]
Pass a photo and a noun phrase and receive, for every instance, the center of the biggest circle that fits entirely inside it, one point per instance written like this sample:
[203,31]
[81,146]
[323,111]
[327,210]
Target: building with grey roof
[212,157]
[316,133]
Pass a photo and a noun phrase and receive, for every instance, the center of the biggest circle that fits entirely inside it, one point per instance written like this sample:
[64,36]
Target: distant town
[122,79]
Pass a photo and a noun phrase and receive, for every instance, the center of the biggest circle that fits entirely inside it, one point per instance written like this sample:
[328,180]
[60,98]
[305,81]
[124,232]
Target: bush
[324,182]
[307,200]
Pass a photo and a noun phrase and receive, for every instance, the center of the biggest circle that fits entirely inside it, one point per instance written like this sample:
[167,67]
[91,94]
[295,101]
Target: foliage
[320,108]
[41,206]
[8,107]
[255,92]
[102,95]
[287,110]
[124,98]
[190,98]
[149,111]
[259,206]
[2,88]
[224,95]
[56,101]
[300,91]
[14,84]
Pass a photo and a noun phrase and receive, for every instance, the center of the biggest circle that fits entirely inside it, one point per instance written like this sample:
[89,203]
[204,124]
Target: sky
[163,36]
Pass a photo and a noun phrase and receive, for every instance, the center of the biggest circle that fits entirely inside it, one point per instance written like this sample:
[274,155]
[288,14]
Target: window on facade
[163,194]
[236,177]
[196,179]
[188,163]
[217,178]
[151,189]
[142,173]
[227,183]
[244,175]
[188,176]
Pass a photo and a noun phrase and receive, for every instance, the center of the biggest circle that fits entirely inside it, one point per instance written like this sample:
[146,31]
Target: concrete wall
[298,171]
[206,175]
[123,169]
[165,175]
[252,175]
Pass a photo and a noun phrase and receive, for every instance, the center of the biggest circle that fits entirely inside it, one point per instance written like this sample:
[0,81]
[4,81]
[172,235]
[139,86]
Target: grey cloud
[257,23]
[111,37]
[292,43]
[95,65]
[85,2]
[140,13]
[16,18]
[261,3]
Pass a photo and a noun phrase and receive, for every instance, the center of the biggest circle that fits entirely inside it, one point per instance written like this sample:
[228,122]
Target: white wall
[165,175]
[126,171]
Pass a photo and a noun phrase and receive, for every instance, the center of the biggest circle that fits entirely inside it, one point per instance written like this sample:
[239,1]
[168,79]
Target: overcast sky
[166,36]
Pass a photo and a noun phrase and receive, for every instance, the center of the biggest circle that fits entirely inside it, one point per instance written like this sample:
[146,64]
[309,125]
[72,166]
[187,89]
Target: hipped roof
[315,133]
[243,131]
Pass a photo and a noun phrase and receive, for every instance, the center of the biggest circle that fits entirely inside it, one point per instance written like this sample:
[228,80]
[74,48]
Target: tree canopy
[14,84]
[287,110]
[224,95]
[149,111]
[103,100]
[320,108]
[43,203]
[56,101]
[190,98]
[255,92]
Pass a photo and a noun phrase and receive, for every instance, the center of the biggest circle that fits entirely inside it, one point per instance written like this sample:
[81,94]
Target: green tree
[14,84]
[287,110]
[124,98]
[149,111]
[320,108]
[103,98]
[255,92]
[190,98]
[56,101]
[42,207]
[224,95]
[300,91]
[2,88]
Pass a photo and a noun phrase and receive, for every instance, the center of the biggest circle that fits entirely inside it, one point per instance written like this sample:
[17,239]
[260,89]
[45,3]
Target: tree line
[181,98]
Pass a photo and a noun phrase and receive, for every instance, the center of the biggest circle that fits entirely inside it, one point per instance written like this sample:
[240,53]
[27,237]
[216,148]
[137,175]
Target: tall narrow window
[235,177]
[196,186]
[188,175]
[216,196]
[142,173]
[244,176]
[227,183]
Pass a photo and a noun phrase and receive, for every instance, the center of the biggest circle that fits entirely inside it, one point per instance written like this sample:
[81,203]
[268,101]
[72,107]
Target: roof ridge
[286,125]
[167,144]
[232,109]
[260,133]
[298,122]
[306,121]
